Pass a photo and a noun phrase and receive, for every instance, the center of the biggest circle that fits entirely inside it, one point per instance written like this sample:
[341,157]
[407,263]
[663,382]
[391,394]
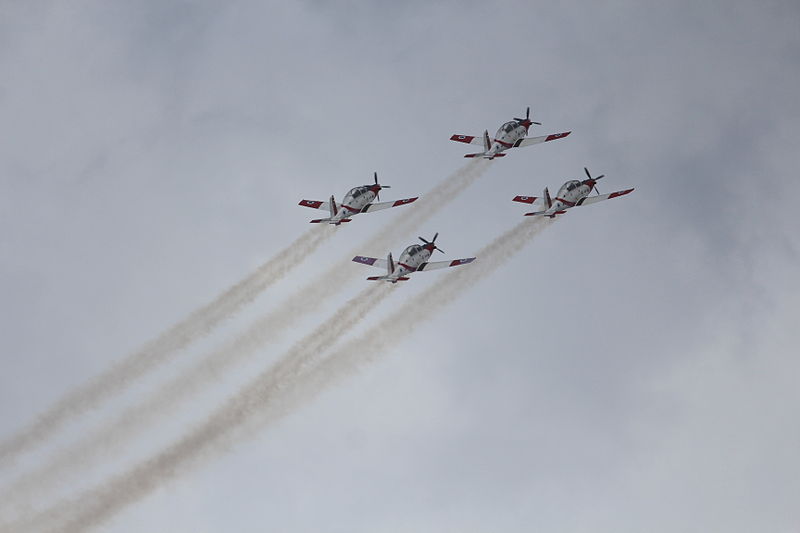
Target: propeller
[593,180]
[378,192]
[432,241]
[527,120]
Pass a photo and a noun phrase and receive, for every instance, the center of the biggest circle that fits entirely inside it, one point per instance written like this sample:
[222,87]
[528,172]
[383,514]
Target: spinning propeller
[378,192]
[432,241]
[592,181]
[527,120]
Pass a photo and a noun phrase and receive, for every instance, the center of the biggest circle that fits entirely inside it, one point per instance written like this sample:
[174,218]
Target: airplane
[413,259]
[357,200]
[510,135]
[573,193]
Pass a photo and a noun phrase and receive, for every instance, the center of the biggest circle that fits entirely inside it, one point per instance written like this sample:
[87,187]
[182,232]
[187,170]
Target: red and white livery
[413,259]
[357,200]
[572,194]
[510,135]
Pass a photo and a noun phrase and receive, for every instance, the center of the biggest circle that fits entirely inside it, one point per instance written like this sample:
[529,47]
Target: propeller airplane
[512,134]
[357,200]
[413,259]
[572,194]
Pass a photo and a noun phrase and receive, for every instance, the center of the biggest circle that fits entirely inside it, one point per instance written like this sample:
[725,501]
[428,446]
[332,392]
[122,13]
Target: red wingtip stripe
[405,201]
[619,193]
[456,262]
[555,136]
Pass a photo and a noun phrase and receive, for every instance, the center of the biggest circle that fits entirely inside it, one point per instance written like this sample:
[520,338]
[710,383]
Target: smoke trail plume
[119,431]
[163,347]
[220,430]
[296,379]
[400,324]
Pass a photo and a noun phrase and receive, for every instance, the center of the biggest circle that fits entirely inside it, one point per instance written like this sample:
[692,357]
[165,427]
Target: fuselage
[355,201]
[570,194]
[410,260]
[506,136]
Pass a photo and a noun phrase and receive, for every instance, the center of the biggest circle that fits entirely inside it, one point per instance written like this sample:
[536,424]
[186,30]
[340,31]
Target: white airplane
[572,193]
[357,200]
[510,135]
[413,259]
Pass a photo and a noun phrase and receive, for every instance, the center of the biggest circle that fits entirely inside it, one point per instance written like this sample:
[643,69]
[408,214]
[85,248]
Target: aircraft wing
[526,199]
[444,264]
[468,139]
[543,139]
[387,205]
[592,199]
[371,261]
[315,204]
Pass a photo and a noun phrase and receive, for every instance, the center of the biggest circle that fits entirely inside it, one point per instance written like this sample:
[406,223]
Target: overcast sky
[633,369]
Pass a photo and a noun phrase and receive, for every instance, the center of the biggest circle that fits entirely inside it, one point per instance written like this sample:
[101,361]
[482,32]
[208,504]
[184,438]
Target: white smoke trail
[113,435]
[296,379]
[218,429]
[163,347]
[400,324]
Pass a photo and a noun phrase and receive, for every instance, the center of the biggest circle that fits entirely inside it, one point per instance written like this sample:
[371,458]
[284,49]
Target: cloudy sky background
[633,369]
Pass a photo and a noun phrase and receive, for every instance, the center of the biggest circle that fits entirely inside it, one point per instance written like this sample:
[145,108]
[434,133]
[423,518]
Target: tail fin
[389,264]
[546,199]
[487,145]
[333,209]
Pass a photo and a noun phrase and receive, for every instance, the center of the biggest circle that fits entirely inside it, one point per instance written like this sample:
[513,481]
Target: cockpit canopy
[569,186]
[355,192]
[508,127]
[413,250]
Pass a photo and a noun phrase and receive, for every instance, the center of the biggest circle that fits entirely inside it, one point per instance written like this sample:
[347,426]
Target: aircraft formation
[415,258]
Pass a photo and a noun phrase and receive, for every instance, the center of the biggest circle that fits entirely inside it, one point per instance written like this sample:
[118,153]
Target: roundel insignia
[462,137]
[523,198]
